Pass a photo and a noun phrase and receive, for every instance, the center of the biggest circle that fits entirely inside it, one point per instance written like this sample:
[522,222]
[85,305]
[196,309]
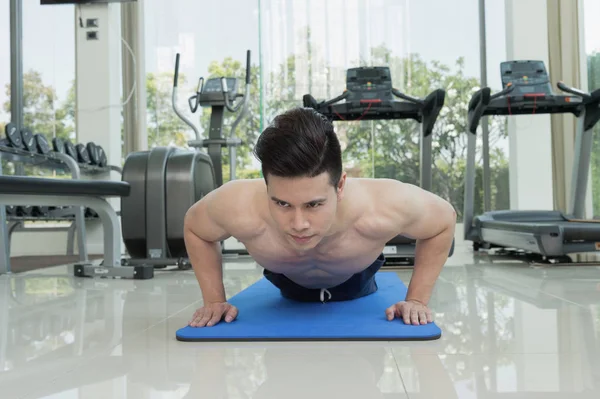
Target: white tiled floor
[509,331]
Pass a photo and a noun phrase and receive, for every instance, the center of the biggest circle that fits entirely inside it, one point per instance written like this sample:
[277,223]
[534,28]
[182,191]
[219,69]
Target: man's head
[302,165]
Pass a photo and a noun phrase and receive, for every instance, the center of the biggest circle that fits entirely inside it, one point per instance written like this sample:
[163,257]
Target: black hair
[300,143]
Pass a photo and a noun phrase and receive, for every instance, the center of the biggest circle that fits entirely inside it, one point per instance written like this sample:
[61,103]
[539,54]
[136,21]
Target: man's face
[304,208]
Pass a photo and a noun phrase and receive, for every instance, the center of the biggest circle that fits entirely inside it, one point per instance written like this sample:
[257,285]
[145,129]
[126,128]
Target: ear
[340,186]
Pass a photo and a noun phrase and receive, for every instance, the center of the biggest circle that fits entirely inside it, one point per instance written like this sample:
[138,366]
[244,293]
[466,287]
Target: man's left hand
[411,311]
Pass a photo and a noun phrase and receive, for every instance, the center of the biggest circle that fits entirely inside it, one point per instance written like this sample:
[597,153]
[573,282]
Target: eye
[282,204]
[314,204]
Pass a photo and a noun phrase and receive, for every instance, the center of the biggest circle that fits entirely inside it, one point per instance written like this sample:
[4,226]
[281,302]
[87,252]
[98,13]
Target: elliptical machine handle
[248,68]
[224,88]
[176,76]
[232,137]
[174,100]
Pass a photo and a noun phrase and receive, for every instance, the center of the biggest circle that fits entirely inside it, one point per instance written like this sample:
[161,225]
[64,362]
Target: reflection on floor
[509,331]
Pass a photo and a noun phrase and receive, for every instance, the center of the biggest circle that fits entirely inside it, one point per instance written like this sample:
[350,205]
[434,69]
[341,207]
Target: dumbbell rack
[58,162]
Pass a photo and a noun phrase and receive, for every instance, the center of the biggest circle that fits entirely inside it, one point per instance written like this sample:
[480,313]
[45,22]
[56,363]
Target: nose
[299,221]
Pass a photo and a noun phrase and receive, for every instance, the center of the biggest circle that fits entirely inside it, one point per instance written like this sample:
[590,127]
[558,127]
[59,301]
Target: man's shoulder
[243,185]
[240,203]
[377,190]
[378,201]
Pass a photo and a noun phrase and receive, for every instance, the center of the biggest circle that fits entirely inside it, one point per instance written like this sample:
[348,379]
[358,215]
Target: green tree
[42,112]
[163,126]
[390,148]
[593,62]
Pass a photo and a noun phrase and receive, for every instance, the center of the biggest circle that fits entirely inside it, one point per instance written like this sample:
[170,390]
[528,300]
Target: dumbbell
[70,149]
[28,140]
[94,152]
[40,211]
[58,145]
[24,210]
[11,210]
[12,137]
[90,213]
[43,147]
[83,155]
[102,159]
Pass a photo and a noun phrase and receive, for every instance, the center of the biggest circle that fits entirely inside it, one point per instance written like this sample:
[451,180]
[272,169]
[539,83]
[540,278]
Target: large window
[49,69]
[4,65]
[495,29]
[212,39]
[308,45]
[592,51]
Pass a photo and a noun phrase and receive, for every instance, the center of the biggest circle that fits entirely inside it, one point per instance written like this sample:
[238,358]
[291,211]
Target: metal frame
[539,232]
[485,134]
[79,212]
[107,215]
[16,62]
[111,266]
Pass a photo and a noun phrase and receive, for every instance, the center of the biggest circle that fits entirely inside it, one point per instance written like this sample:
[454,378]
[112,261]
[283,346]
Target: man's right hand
[212,313]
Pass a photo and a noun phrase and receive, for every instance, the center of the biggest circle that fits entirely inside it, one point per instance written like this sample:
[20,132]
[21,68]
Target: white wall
[530,141]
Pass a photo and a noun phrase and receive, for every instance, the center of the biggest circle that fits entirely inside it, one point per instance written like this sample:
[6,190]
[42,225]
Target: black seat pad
[66,187]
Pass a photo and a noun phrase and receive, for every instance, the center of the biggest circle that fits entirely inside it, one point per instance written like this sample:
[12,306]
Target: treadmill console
[369,83]
[527,77]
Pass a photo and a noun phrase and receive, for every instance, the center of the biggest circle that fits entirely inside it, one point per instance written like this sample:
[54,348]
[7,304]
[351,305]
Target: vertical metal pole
[16,110]
[129,117]
[261,82]
[16,63]
[426,162]
[487,187]
[4,235]
[134,112]
[469,201]
[581,168]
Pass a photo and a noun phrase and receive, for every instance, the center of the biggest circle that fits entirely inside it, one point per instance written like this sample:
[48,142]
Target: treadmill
[546,236]
[369,95]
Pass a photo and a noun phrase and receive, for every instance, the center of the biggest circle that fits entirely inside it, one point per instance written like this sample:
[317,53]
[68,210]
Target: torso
[326,266]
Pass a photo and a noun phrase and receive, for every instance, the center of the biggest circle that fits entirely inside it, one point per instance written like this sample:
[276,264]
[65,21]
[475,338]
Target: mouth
[302,239]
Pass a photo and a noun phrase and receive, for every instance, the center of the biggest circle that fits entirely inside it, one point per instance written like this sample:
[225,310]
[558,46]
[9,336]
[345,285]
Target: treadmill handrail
[424,110]
[432,105]
[477,105]
[408,98]
[337,99]
[571,90]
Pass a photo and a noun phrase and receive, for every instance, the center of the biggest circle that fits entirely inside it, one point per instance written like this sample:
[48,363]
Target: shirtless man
[318,234]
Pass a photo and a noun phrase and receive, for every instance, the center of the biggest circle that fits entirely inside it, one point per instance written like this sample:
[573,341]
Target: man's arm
[203,231]
[430,220]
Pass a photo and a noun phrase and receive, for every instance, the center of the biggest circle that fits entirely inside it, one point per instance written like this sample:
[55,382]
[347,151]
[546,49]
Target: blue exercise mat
[264,315]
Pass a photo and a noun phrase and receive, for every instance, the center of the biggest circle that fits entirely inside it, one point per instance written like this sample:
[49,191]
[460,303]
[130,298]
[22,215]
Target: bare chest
[327,266]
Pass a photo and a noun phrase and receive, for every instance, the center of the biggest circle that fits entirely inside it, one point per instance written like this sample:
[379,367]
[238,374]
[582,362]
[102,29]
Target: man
[318,234]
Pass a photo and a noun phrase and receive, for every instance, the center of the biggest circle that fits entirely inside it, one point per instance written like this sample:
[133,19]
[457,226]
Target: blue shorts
[359,285]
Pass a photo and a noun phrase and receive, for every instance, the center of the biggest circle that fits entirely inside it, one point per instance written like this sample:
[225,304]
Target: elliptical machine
[219,94]
[166,181]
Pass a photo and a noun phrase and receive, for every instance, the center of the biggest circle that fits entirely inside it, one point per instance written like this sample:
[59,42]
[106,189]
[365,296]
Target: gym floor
[509,331]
